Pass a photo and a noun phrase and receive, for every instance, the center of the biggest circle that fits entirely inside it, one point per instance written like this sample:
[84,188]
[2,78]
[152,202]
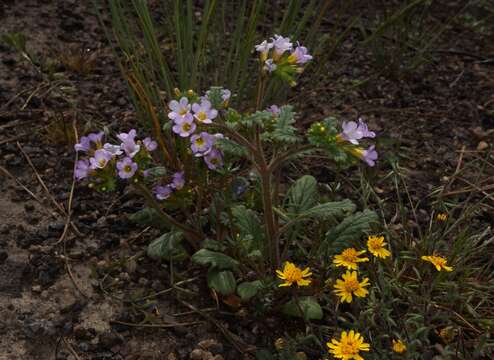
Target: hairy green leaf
[351,228]
[168,246]
[309,305]
[223,281]
[214,259]
[248,290]
[302,195]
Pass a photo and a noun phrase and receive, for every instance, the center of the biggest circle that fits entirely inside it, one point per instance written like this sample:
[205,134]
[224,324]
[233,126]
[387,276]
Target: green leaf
[284,131]
[309,305]
[147,217]
[351,228]
[249,227]
[248,290]
[302,195]
[223,281]
[257,118]
[168,246]
[329,209]
[214,259]
[231,147]
[157,171]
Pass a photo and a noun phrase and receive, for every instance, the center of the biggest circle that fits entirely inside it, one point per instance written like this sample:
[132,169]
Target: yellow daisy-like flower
[293,274]
[376,244]
[438,261]
[442,217]
[349,258]
[399,346]
[348,347]
[350,286]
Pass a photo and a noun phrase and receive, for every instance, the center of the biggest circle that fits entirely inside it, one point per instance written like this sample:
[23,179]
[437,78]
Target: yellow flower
[441,217]
[349,258]
[376,244]
[348,347]
[399,346]
[438,261]
[349,286]
[293,274]
[448,334]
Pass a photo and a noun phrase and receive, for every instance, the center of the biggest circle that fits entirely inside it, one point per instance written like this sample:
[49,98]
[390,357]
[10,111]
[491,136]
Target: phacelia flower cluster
[191,118]
[105,161]
[281,58]
[347,140]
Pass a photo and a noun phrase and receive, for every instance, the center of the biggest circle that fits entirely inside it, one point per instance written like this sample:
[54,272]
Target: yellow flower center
[183,111]
[349,255]
[439,261]
[201,115]
[186,127]
[352,285]
[349,348]
[127,168]
[102,162]
[293,274]
[375,243]
[199,141]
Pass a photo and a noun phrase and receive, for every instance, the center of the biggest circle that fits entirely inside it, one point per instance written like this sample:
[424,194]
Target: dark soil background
[65,297]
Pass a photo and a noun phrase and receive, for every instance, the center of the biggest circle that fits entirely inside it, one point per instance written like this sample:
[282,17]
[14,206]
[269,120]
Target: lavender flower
[127,136]
[281,44]
[84,144]
[370,155]
[274,109]
[202,143]
[115,150]
[150,144]
[184,128]
[300,55]
[126,168]
[180,110]
[130,147]
[178,181]
[264,46]
[353,132]
[270,66]
[365,129]
[100,159]
[162,192]
[82,169]
[96,137]
[263,49]
[203,112]
[226,95]
[214,159]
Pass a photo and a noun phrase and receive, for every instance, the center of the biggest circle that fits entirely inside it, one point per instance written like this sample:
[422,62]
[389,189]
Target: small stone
[480,133]
[211,345]
[197,354]
[482,146]
[172,356]
[36,289]
[218,357]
